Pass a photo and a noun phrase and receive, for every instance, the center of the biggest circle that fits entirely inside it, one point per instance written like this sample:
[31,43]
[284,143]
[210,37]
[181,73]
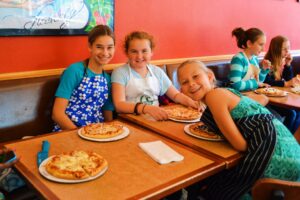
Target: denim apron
[87,100]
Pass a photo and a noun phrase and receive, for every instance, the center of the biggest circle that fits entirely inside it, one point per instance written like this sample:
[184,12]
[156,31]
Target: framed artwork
[54,17]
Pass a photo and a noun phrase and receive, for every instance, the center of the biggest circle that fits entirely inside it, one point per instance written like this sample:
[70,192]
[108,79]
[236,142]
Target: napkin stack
[161,152]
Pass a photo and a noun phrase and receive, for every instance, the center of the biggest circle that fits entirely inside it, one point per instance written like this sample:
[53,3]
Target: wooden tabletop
[291,100]
[131,173]
[175,131]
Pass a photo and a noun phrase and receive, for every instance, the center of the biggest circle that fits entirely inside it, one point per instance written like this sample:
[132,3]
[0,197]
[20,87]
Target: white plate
[187,131]
[296,90]
[118,137]
[48,176]
[187,121]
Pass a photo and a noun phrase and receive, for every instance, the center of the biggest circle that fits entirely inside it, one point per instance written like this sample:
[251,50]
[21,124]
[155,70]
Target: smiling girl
[245,72]
[269,149]
[83,95]
[137,84]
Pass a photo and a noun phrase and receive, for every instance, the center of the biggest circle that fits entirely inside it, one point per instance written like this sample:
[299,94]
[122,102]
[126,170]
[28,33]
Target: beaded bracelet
[135,111]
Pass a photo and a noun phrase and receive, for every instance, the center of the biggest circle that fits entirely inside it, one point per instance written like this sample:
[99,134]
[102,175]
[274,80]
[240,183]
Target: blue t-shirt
[121,75]
[71,78]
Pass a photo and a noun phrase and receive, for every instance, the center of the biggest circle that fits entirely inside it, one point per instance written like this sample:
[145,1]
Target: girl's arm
[122,106]
[108,115]
[179,97]
[59,114]
[221,113]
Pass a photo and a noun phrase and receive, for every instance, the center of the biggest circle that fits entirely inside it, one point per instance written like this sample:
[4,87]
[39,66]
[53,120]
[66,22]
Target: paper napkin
[161,152]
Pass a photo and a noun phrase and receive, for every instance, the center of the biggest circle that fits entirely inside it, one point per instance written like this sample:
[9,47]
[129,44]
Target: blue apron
[87,100]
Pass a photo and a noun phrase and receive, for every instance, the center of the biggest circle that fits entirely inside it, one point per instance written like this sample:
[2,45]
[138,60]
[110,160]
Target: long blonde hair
[274,55]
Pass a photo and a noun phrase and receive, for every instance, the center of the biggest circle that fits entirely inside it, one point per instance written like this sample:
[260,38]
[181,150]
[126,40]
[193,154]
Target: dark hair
[138,35]
[242,36]
[100,30]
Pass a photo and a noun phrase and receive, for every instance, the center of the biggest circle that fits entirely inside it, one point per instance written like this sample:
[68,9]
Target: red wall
[181,28]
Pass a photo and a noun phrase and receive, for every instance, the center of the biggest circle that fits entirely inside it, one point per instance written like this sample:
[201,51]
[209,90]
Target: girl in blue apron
[83,95]
[137,84]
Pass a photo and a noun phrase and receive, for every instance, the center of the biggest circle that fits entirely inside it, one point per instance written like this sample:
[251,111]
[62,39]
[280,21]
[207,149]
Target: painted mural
[54,17]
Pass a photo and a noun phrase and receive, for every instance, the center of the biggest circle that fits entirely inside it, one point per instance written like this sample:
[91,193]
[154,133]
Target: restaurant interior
[30,70]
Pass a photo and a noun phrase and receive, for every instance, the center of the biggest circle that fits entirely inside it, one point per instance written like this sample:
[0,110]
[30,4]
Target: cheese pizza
[181,112]
[271,92]
[102,130]
[75,165]
[200,129]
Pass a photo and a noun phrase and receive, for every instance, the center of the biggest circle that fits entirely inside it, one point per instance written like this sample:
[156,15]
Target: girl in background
[270,150]
[245,72]
[282,75]
[137,84]
[83,95]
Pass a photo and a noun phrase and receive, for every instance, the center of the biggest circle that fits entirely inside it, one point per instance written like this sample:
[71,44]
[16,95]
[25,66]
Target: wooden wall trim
[109,67]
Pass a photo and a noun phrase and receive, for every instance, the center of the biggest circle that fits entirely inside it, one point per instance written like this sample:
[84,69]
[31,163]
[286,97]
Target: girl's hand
[288,59]
[266,64]
[292,83]
[260,85]
[202,106]
[193,104]
[156,112]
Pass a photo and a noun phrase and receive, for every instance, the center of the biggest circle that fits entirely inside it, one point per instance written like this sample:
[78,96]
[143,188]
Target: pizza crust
[102,130]
[75,165]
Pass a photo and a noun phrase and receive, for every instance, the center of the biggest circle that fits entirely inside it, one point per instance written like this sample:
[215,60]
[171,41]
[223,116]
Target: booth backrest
[26,103]
[26,106]
[220,69]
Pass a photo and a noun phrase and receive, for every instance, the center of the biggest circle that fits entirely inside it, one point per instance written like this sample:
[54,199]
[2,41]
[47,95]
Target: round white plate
[187,131]
[118,137]
[186,121]
[48,176]
[296,90]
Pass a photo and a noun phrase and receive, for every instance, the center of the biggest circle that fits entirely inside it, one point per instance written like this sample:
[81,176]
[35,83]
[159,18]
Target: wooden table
[131,173]
[291,101]
[175,131]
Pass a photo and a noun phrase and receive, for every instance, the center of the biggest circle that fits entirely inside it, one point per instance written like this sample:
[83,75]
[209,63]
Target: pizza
[75,165]
[181,112]
[271,92]
[200,129]
[102,130]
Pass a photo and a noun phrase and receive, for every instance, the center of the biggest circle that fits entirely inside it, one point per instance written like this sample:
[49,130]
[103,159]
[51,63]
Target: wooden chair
[275,189]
